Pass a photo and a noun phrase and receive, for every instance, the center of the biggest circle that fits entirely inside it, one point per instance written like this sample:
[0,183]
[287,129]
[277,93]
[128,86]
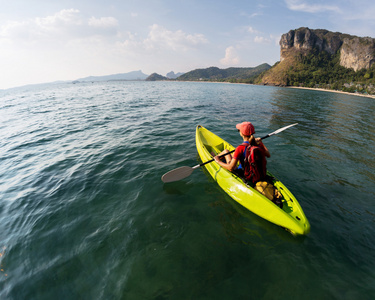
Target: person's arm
[229,166]
[260,144]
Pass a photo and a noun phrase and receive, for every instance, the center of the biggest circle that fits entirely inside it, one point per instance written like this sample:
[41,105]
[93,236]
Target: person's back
[246,130]
[255,164]
[252,155]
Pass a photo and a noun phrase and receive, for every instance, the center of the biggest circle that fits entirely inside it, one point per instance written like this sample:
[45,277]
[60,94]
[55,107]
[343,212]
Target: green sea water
[85,215]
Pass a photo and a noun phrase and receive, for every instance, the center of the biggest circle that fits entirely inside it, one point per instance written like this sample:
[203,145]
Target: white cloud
[162,38]
[231,57]
[299,5]
[159,39]
[250,16]
[104,22]
[252,30]
[275,38]
[65,17]
[65,25]
[64,45]
[261,40]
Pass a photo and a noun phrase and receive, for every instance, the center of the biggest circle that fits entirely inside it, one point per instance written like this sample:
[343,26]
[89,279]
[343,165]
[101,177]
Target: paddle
[183,172]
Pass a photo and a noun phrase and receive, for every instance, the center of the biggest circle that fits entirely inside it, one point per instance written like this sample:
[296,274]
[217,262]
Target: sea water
[85,215]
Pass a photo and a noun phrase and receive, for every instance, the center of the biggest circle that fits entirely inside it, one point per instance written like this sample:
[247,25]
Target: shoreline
[332,91]
[289,87]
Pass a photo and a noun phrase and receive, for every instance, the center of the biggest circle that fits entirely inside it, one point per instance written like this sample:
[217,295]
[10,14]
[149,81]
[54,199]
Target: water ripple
[85,215]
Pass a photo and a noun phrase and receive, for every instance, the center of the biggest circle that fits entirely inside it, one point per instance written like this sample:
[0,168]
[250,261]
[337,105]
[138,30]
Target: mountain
[355,52]
[156,77]
[172,75]
[230,74]
[135,75]
[321,58]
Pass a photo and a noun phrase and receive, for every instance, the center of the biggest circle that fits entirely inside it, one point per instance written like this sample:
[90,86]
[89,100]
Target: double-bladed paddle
[183,172]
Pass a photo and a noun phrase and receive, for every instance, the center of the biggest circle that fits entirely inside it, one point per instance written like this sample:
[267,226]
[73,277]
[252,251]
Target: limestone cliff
[351,52]
[355,52]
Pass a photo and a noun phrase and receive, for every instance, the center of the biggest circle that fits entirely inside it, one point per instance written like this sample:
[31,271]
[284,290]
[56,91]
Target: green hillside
[321,70]
[156,77]
[323,59]
[236,75]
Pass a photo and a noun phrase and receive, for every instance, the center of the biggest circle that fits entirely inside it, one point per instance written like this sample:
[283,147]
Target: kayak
[291,216]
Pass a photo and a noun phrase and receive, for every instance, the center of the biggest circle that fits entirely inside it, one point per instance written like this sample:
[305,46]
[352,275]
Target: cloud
[104,22]
[65,17]
[261,40]
[252,30]
[64,25]
[250,16]
[275,38]
[69,27]
[231,57]
[69,44]
[299,5]
[162,38]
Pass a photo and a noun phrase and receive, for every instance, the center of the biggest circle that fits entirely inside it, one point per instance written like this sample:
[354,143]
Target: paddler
[246,130]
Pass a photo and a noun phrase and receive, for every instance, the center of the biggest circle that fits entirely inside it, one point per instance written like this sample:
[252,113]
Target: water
[84,214]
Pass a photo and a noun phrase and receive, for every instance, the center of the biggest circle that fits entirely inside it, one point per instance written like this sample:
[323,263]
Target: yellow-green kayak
[290,216]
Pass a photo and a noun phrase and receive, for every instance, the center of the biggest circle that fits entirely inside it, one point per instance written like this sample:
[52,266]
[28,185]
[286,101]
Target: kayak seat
[219,147]
[215,149]
[210,149]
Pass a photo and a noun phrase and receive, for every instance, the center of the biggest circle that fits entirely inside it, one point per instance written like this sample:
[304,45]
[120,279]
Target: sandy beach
[333,91]
[298,87]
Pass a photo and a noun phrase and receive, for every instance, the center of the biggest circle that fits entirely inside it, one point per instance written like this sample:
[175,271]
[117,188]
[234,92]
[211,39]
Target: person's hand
[216,158]
[258,141]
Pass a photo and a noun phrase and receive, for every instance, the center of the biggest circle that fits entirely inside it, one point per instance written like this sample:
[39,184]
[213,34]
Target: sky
[49,40]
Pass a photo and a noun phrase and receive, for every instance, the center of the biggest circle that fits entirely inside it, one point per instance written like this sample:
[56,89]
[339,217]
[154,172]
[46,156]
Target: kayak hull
[291,216]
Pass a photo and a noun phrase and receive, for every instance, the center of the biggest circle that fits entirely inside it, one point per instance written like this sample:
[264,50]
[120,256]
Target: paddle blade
[282,129]
[177,174]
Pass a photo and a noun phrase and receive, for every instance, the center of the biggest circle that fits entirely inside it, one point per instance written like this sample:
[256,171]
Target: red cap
[246,128]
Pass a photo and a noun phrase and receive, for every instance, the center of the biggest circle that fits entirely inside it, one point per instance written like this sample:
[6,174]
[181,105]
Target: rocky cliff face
[355,52]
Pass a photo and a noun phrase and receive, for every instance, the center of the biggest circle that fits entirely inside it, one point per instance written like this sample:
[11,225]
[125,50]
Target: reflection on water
[2,268]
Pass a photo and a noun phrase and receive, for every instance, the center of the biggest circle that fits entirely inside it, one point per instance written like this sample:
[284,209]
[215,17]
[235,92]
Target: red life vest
[255,164]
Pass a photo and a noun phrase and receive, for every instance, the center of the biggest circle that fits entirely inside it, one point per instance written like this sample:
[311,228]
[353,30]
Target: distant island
[172,75]
[135,75]
[156,77]
[234,75]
